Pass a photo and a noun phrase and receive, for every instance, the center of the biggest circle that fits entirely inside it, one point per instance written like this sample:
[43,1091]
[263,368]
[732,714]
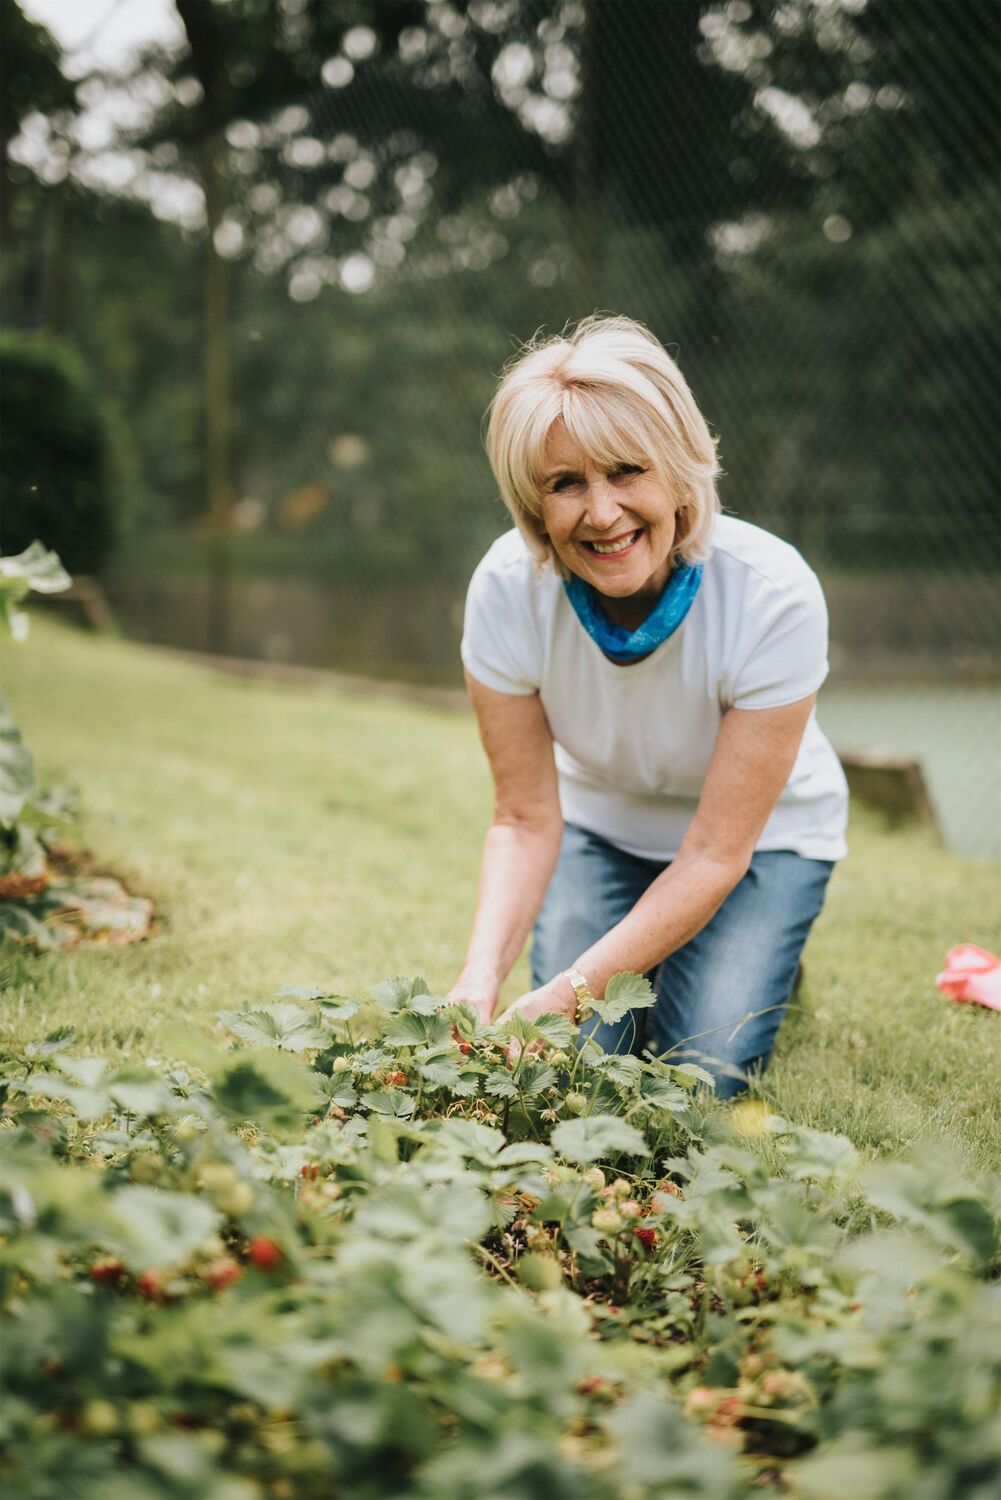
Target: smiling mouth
[615,546]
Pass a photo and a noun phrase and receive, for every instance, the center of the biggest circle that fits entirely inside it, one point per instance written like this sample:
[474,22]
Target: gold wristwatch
[580,988]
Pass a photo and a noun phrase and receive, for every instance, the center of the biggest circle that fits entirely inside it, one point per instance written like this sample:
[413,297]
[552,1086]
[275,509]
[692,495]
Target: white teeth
[606,548]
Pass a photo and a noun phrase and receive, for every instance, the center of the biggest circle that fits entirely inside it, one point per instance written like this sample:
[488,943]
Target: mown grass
[296,836]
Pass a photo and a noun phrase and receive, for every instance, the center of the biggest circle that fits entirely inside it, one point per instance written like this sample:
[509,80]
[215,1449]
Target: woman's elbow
[539,820]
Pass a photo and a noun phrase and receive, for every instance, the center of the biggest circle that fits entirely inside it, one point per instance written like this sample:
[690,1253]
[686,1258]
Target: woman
[644,673]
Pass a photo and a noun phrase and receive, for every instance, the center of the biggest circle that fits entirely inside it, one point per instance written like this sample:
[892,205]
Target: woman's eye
[627,469]
[565,481]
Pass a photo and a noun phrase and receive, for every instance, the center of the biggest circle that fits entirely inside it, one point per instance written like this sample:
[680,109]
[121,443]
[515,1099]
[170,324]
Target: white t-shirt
[633,743]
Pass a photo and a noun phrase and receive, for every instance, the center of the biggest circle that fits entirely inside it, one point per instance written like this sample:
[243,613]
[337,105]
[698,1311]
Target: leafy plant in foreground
[361,1252]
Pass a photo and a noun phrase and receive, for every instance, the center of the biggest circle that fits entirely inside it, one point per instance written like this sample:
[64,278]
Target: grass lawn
[295,836]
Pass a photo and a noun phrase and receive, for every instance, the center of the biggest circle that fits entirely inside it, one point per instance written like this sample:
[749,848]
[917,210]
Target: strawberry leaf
[394,994]
[556,1029]
[288,1027]
[597,1136]
[623,993]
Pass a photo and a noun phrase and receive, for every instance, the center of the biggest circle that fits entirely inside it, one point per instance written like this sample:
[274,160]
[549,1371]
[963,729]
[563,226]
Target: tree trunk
[203,26]
[56,258]
[219,492]
[583,172]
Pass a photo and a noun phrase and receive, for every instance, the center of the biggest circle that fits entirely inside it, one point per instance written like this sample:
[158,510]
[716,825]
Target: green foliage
[35,569]
[434,1297]
[56,474]
[596,1137]
[17,773]
[623,993]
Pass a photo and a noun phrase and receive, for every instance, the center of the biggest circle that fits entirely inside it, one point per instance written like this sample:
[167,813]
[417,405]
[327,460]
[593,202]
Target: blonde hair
[623,399]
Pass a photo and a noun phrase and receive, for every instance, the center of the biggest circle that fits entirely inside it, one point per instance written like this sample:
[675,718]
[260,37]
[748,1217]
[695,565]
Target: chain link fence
[800,198]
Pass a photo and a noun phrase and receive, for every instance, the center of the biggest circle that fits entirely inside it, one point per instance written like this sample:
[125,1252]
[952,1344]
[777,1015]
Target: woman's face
[615,530]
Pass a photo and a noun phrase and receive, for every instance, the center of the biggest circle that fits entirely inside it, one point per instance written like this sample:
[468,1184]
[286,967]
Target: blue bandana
[628,645]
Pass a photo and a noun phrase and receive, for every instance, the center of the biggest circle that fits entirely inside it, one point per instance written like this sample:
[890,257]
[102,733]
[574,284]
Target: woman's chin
[632,583]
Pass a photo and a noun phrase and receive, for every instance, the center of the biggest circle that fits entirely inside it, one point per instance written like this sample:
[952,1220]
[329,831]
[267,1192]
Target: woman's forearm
[517,865]
[671,911]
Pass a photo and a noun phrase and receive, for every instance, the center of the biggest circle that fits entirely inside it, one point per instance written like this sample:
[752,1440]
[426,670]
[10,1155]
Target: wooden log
[89,598]
[894,784]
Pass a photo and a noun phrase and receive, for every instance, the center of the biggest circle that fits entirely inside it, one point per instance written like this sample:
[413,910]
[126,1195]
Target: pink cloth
[972,973]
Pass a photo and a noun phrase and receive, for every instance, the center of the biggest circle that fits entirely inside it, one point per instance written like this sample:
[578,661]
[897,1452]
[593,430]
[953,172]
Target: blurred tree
[56,473]
[800,197]
[31,82]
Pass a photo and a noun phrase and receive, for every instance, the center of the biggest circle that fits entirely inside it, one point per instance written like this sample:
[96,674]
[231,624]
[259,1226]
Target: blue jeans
[721,997]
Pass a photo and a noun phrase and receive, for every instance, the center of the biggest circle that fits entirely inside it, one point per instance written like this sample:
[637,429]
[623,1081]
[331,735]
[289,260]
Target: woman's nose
[603,508]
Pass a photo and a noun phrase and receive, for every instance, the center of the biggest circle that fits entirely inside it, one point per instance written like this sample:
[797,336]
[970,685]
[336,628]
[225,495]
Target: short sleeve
[500,638]
[786,659]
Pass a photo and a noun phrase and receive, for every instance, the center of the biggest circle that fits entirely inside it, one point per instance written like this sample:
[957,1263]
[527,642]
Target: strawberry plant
[39,905]
[368,1244]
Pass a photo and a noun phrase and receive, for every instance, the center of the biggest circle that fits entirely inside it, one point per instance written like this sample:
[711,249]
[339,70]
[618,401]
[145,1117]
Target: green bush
[56,472]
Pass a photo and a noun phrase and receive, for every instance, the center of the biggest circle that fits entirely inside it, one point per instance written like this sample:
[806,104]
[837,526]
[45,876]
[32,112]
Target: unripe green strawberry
[596,1177]
[780,1385]
[99,1419]
[186,1130]
[143,1419]
[217,1177]
[237,1200]
[575,1103]
[606,1221]
[341,1065]
[146,1168]
[630,1209]
[540,1273]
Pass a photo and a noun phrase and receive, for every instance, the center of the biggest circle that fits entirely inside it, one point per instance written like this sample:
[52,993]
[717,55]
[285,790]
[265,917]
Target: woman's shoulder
[509,562]
[741,547]
[510,550]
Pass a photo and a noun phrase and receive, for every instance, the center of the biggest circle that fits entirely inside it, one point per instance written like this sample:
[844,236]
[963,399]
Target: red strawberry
[701,1401]
[148,1286]
[309,1170]
[221,1272]
[108,1270]
[264,1253]
[465,1048]
[398,1079]
[647,1237]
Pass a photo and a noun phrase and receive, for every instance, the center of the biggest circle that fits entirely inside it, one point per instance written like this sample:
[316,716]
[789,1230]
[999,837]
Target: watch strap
[581,989]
